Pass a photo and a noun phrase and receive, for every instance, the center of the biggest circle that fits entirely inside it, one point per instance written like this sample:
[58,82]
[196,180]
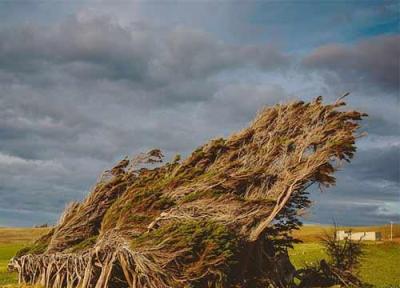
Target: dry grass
[313,233]
[12,240]
[21,235]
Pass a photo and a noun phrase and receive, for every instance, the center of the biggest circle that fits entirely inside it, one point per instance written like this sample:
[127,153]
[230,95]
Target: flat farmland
[380,263]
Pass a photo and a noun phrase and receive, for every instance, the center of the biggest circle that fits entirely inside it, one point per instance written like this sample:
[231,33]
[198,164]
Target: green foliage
[344,255]
[164,202]
[195,234]
[37,248]
[87,243]
[177,158]
[139,218]
[280,232]
[208,241]
[201,194]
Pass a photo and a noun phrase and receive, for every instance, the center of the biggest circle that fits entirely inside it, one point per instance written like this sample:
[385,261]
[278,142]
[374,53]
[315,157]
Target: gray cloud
[378,164]
[139,53]
[367,191]
[77,95]
[327,210]
[375,59]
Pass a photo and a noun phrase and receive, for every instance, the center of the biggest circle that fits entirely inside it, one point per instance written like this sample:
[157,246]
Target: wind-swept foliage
[220,218]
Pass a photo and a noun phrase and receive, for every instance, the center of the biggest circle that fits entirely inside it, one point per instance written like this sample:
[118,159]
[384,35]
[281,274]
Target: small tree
[343,259]
[344,255]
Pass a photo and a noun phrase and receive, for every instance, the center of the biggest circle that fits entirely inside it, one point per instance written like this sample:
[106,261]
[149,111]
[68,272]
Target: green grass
[12,240]
[379,267]
[380,264]
[6,252]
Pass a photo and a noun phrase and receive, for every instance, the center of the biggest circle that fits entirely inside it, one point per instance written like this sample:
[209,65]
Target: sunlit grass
[380,265]
[11,240]
[6,252]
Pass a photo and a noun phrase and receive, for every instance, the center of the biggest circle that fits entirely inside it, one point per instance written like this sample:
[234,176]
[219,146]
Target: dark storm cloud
[351,213]
[358,199]
[13,217]
[142,54]
[79,94]
[378,164]
[368,189]
[97,42]
[371,61]
[379,126]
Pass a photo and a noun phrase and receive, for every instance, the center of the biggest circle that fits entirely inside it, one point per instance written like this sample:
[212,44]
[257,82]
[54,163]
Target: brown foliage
[216,219]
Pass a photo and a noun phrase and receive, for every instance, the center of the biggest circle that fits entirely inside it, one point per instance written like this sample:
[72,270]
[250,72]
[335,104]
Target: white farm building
[359,236]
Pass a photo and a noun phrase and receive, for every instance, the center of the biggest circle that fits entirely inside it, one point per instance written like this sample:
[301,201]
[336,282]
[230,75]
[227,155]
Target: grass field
[380,266]
[11,240]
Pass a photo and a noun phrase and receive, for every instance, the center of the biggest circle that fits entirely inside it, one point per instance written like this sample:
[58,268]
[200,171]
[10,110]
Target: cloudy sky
[84,83]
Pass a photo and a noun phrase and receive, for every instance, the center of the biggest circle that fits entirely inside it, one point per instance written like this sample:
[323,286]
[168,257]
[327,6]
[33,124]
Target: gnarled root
[99,267]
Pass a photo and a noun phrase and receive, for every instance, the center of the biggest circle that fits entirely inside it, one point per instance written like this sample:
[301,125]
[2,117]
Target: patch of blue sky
[304,25]
[30,11]
[391,26]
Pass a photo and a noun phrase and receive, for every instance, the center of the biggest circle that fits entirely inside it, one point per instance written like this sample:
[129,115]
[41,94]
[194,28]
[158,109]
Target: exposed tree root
[101,266]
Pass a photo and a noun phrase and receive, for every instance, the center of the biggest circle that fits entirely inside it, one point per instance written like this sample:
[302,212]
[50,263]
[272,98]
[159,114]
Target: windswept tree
[220,218]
